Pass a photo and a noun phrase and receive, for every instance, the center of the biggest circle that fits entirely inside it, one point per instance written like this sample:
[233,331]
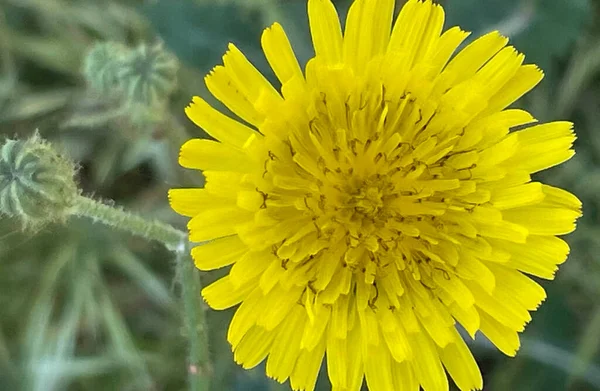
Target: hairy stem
[177,241]
[199,369]
[132,223]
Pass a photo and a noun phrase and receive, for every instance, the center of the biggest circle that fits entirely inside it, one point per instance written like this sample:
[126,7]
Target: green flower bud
[36,184]
[148,75]
[101,65]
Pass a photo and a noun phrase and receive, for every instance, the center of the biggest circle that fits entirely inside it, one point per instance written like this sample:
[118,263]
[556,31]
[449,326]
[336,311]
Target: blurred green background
[86,308]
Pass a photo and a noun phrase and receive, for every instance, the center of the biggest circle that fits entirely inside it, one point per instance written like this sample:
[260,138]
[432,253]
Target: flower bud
[36,183]
[147,75]
[101,66]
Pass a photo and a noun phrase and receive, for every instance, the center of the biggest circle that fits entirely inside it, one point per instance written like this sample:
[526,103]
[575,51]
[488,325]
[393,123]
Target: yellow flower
[377,201]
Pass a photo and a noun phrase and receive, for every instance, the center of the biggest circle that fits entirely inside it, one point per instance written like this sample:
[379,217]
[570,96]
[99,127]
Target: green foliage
[545,30]
[554,28]
[69,324]
[198,31]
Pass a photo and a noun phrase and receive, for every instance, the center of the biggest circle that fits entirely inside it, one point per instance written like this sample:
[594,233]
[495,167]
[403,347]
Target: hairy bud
[101,66]
[148,75]
[36,183]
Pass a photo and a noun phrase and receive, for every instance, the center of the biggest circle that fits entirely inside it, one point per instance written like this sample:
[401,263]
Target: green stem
[176,241]
[199,369]
[171,237]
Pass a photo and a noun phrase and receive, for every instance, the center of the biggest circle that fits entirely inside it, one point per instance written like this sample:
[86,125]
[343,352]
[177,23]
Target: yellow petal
[527,77]
[212,155]
[468,318]
[325,30]
[430,39]
[543,221]
[403,377]
[277,304]
[543,146]
[224,184]
[455,289]
[314,332]
[280,54]
[218,253]
[416,29]
[538,256]
[249,81]
[436,324]
[378,371]
[307,368]
[392,286]
[474,55]
[190,202]
[367,31]
[445,47]
[254,347]
[471,268]
[371,335]
[328,269]
[271,276]
[215,223]
[499,70]
[397,342]
[285,351]
[249,267]
[339,318]
[556,197]
[523,290]
[223,87]
[503,230]
[505,338]
[516,196]
[222,294]
[337,362]
[218,125]
[356,365]
[252,200]
[501,307]
[461,365]
[498,153]
[245,317]
[426,364]
[494,127]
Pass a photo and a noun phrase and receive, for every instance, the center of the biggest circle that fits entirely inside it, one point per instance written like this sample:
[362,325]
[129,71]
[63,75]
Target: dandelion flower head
[381,198]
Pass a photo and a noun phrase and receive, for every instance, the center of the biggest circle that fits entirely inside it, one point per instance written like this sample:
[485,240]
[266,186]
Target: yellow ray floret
[383,197]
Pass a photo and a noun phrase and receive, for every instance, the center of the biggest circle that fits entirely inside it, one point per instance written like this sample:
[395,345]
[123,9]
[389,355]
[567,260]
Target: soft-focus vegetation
[86,308]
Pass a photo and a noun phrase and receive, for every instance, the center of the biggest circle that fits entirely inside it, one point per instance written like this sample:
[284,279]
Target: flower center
[368,201]
[362,200]
[375,189]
